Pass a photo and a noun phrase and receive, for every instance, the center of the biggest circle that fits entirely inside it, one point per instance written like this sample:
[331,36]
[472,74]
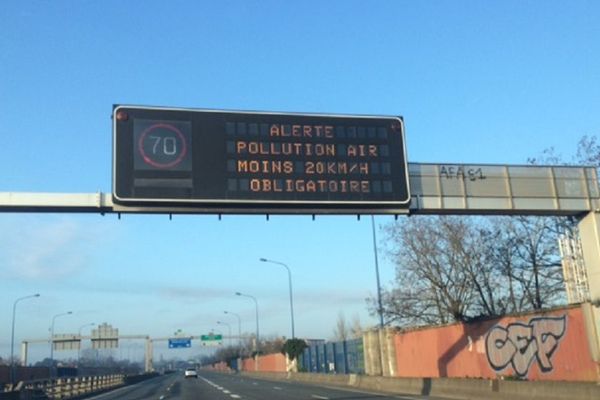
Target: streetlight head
[36,295]
[264,260]
[69,312]
[238,294]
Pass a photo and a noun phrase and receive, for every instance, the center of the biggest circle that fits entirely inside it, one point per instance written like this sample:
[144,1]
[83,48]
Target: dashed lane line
[221,388]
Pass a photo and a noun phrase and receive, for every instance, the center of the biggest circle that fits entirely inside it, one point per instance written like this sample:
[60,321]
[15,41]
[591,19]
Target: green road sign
[218,338]
[211,340]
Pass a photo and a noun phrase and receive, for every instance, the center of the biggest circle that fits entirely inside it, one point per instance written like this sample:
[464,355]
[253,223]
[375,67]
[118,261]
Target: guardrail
[455,388]
[63,388]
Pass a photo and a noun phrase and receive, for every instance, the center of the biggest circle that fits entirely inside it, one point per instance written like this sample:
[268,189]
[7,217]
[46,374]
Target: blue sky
[476,82]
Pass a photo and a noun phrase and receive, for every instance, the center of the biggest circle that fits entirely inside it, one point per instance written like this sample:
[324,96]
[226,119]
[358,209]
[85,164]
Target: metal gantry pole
[12,336]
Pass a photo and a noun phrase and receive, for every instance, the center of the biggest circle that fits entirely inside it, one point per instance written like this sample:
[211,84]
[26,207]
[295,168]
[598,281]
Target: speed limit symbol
[162,145]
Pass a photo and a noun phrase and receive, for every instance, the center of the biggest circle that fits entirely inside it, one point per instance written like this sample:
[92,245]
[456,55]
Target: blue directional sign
[178,343]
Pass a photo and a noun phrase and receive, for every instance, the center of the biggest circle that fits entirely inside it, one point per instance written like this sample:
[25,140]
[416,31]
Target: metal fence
[72,387]
[344,357]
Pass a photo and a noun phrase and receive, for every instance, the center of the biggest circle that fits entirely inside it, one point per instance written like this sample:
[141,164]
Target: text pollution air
[305,159]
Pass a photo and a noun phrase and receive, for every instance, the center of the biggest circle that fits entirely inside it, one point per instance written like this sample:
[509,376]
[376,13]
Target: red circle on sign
[148,159]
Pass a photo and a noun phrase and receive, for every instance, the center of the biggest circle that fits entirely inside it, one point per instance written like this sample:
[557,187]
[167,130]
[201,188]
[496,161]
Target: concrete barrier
[455,388]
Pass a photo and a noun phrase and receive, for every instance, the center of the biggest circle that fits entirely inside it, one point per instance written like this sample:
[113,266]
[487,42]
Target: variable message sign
[263,161]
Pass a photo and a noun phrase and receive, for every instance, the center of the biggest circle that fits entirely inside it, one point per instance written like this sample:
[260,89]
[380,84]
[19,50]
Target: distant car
[190,373]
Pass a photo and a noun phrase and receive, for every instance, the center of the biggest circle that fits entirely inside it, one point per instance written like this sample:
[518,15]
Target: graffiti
[460,172]
[520,344]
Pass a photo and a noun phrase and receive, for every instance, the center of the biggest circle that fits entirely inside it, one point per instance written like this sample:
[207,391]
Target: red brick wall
[548,346]
[267,363]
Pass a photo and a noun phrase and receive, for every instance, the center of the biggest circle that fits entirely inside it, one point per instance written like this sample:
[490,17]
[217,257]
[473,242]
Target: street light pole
[52,337]
[79,349]
[379,306]
[239,325]
[256,304]
[290,287]
[12,336]
[228,327]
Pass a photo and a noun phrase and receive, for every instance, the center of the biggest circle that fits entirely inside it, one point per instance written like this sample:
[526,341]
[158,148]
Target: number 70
[166,145]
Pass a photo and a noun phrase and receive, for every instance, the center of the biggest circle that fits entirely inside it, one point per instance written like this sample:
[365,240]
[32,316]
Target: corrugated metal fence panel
[322,357]
[343,357]
[341,366]
[356,356]
[314,356]
[304,361]
[330,357]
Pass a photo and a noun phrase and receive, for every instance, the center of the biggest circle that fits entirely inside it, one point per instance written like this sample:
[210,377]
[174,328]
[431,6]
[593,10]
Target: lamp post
[79,349]
[52,337]
[256,304]
[379,306]
[290,286]
[239,325]
[12,336]
[228,327]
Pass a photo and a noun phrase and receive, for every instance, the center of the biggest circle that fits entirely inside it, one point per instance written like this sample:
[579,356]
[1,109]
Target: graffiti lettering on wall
[519,344]
[460,172]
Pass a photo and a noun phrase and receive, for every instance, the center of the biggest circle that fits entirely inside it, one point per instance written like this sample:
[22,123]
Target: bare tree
[588,151]
[341,330]
[462,268]
[356,329]
[434,257]
[524,253]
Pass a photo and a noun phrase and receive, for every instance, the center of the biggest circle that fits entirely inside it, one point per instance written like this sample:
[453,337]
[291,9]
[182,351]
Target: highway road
[214,386]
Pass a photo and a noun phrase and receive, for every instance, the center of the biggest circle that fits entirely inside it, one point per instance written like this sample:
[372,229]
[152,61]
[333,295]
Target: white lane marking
[277,388]
[221,388]
[255,384]
[316,396]
[113,392]
[161,397]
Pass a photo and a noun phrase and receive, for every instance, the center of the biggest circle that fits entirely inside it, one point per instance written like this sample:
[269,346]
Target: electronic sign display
[260,160]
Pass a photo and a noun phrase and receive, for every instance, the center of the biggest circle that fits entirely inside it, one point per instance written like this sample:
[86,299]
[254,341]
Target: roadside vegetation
[459,269]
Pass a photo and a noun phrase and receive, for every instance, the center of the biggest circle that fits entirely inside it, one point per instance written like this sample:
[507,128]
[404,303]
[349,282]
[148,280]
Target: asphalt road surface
[214,386]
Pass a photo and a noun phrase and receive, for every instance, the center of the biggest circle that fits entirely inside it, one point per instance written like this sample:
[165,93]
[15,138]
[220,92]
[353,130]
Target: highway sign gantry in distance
[211,339]
[262,162]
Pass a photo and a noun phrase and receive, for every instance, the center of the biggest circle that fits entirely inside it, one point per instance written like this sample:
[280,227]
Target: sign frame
[273,205]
